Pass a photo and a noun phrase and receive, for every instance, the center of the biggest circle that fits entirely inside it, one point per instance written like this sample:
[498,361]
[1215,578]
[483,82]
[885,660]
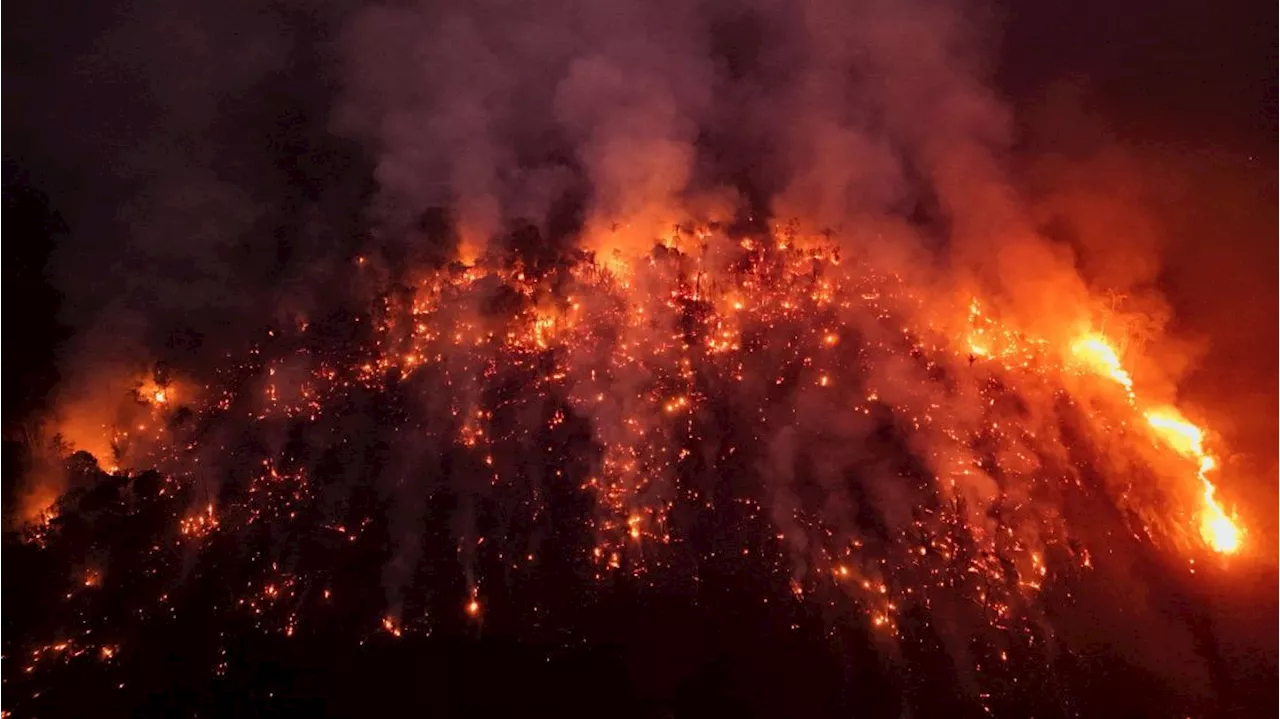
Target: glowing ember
[155,393]
[200,524]
[472,607]
[668,392]
[766,322]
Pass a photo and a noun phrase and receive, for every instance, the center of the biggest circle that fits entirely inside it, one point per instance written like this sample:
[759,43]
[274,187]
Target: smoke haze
[261,174]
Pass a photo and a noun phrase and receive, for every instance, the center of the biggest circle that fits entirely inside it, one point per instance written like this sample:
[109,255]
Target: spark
[643,356]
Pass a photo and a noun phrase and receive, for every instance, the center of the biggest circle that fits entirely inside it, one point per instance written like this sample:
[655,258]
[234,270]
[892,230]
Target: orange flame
[1217,529]
[1095,352]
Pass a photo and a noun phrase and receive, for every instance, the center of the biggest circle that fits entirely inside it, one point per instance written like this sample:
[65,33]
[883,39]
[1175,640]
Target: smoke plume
[455,261]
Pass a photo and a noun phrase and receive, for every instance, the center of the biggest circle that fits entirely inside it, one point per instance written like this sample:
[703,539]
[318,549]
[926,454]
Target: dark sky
[1162,71]
[1177,71]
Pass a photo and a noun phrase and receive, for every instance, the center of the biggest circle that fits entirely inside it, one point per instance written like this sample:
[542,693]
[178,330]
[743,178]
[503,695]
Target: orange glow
[1218,530]
[200,524]
[1096,353]
[636,352]
[155,393]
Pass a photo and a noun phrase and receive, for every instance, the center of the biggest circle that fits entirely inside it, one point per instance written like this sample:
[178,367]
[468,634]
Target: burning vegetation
[465,319]
[764,398]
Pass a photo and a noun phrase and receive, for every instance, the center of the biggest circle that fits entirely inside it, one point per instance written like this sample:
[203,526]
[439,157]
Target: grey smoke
[259,147]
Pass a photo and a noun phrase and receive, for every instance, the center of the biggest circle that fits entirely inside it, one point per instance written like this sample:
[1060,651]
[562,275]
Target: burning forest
[608,313]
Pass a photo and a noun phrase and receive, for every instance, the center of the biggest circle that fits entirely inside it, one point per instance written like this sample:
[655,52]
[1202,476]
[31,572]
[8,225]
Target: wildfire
[643,383]
[157,394]
[1218,530]
[200,524]
[1098,355]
